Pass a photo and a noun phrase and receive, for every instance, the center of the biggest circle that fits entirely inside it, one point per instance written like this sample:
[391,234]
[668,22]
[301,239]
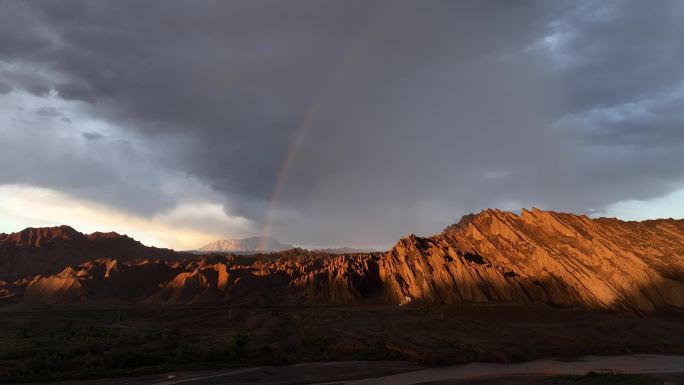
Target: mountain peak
[246,245]
[38,236]
[46,250]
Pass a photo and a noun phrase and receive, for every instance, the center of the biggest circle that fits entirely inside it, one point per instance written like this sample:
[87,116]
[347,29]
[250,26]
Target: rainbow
[305,123]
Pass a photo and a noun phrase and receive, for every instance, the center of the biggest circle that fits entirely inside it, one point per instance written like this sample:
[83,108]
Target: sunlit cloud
[186,226]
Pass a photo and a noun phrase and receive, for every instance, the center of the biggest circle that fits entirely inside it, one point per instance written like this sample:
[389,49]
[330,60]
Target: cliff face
[554,258]
[494,256]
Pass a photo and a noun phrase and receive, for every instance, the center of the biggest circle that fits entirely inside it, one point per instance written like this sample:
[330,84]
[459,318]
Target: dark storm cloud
[93,135]
[104,171]
[414,112]
[5,88]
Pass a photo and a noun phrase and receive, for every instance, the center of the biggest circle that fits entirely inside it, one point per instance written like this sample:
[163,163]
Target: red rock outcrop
[494,256]
[542,256]
[60,288]
[261,280]
[48,250]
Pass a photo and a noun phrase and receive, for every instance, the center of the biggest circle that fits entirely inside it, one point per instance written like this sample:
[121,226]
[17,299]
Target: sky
[335,122]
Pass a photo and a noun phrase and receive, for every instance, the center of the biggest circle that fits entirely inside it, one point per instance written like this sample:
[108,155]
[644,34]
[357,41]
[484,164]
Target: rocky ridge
[262,280]
[495,256]
[48,250]
[542,256]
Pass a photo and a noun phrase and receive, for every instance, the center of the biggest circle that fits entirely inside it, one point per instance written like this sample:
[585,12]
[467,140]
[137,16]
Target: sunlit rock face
[541,256]
[494,257]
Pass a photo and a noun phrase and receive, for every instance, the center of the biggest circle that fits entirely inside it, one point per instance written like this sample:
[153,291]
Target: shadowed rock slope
[260,280]
[494,257]
[48,250]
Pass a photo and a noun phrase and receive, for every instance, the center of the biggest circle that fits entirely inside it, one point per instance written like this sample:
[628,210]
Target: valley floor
[50,344]
[590,370]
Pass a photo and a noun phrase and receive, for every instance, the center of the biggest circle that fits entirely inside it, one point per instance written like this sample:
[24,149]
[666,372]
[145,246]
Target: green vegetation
[94,351]
[95,344]
[82,343]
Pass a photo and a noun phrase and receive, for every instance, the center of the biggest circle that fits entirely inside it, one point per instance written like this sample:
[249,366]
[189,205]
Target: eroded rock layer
[263,280]
[491,257]
[541,256]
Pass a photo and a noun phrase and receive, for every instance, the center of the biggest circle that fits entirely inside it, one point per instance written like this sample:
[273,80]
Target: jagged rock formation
[7,290]
[257,280]
[246,245]
[343,250]
[48,250]
[541,256]
[494,256]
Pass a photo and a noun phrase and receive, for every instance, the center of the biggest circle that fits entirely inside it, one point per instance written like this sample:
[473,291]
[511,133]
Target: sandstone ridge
[493,257]
[542,256]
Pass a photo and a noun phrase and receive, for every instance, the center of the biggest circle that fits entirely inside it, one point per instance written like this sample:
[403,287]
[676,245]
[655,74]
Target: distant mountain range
[254,245]
[344,250]
[245,245]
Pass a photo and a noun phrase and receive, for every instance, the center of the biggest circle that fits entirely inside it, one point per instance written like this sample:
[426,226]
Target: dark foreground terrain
[587,379]
[382,373]
[83,343]
[495,287]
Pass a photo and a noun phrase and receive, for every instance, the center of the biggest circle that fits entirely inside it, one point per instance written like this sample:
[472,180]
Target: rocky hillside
[541,256]
[48,250]
[495,257]
[261,280]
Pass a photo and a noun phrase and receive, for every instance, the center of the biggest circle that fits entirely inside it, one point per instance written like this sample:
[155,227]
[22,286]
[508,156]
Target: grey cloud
[5,88]
[48,112]
[19,78]
[651,122]
[56,161]
[93,135]
[407,106]
[622,51]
